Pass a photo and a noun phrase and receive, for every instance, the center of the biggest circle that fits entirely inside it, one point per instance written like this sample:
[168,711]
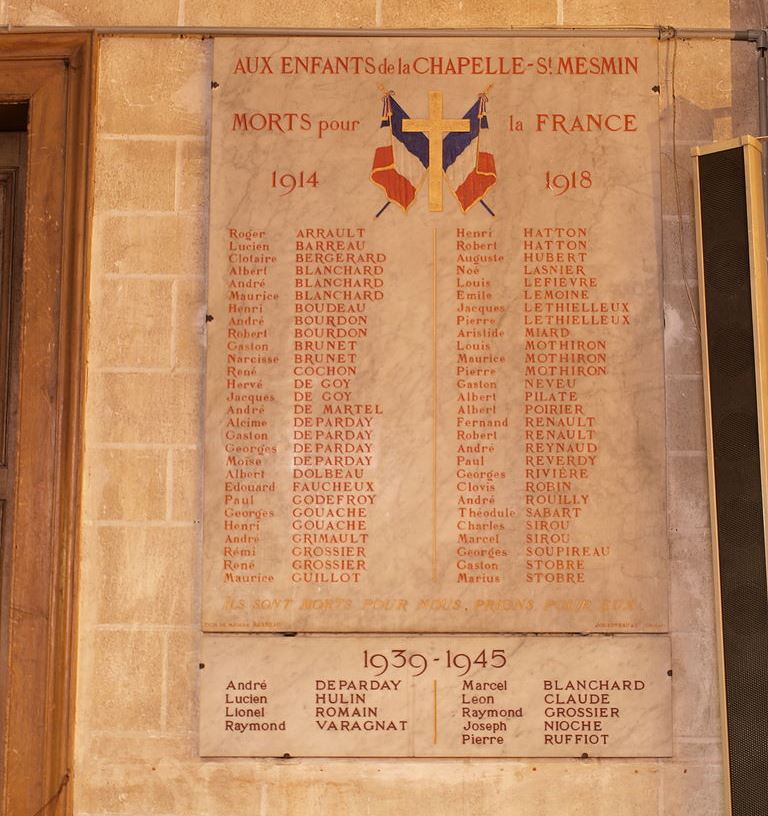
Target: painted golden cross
[435,127]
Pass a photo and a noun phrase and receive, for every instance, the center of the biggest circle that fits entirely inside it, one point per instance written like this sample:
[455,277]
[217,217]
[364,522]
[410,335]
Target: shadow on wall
[745,14]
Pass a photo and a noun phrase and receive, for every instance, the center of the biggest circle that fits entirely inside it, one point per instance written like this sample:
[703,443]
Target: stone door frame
[54,74]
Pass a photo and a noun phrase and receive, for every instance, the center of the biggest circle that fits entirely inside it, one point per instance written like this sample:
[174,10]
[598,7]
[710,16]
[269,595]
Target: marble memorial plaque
[434,367]
[439,696]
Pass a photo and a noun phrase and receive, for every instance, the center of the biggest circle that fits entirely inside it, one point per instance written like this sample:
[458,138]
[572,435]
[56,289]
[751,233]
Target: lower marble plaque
[436,696]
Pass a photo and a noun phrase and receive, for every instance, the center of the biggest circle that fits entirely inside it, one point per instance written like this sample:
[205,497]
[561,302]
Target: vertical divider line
[434,712]
[434,403]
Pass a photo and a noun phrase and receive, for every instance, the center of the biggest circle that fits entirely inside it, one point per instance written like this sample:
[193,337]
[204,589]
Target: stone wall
[136,741]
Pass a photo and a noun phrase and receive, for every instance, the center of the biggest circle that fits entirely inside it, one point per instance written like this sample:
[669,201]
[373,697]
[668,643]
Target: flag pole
[387,93]
[480,95]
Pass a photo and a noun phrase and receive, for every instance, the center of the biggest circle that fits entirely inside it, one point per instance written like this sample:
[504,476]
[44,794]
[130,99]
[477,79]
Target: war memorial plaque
[436,696]
[434,367]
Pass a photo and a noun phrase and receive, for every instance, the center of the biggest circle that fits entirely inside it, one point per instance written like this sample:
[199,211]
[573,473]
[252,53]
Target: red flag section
[479,180]
[384,173]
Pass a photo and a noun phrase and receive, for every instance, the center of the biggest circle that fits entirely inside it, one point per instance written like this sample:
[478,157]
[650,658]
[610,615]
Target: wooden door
[41,330]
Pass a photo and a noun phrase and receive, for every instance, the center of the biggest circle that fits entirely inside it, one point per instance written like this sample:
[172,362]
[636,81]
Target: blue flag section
[454,144]
[400,164]
[415,143]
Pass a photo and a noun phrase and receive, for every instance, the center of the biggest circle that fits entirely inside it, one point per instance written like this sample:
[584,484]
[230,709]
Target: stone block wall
[139,586]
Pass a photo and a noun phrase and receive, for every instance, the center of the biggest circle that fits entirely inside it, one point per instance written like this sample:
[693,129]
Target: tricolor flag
[399,166]
[470,170]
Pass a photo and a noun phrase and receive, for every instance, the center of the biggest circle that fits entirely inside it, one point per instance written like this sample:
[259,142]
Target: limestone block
[181,680]
[130,323]
[691,123]
[139,244]
[687,492]
[685,414]
[744,95]
[89,575]
[134,175]
[125,484]
[193,176]
[454,788]
[469,14]
[150,788]
[187,485]
[694,749]
[693,546]
[136,748]
[169,99]
[290,787]
[304,13]
[189,323]
[679,266]
[92,12]
[147,407]
[692,788]
[142,575]
[677,181]
[692,594]
[700,66]
[695,693]
[682,349]
[122,692]
[645,12]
